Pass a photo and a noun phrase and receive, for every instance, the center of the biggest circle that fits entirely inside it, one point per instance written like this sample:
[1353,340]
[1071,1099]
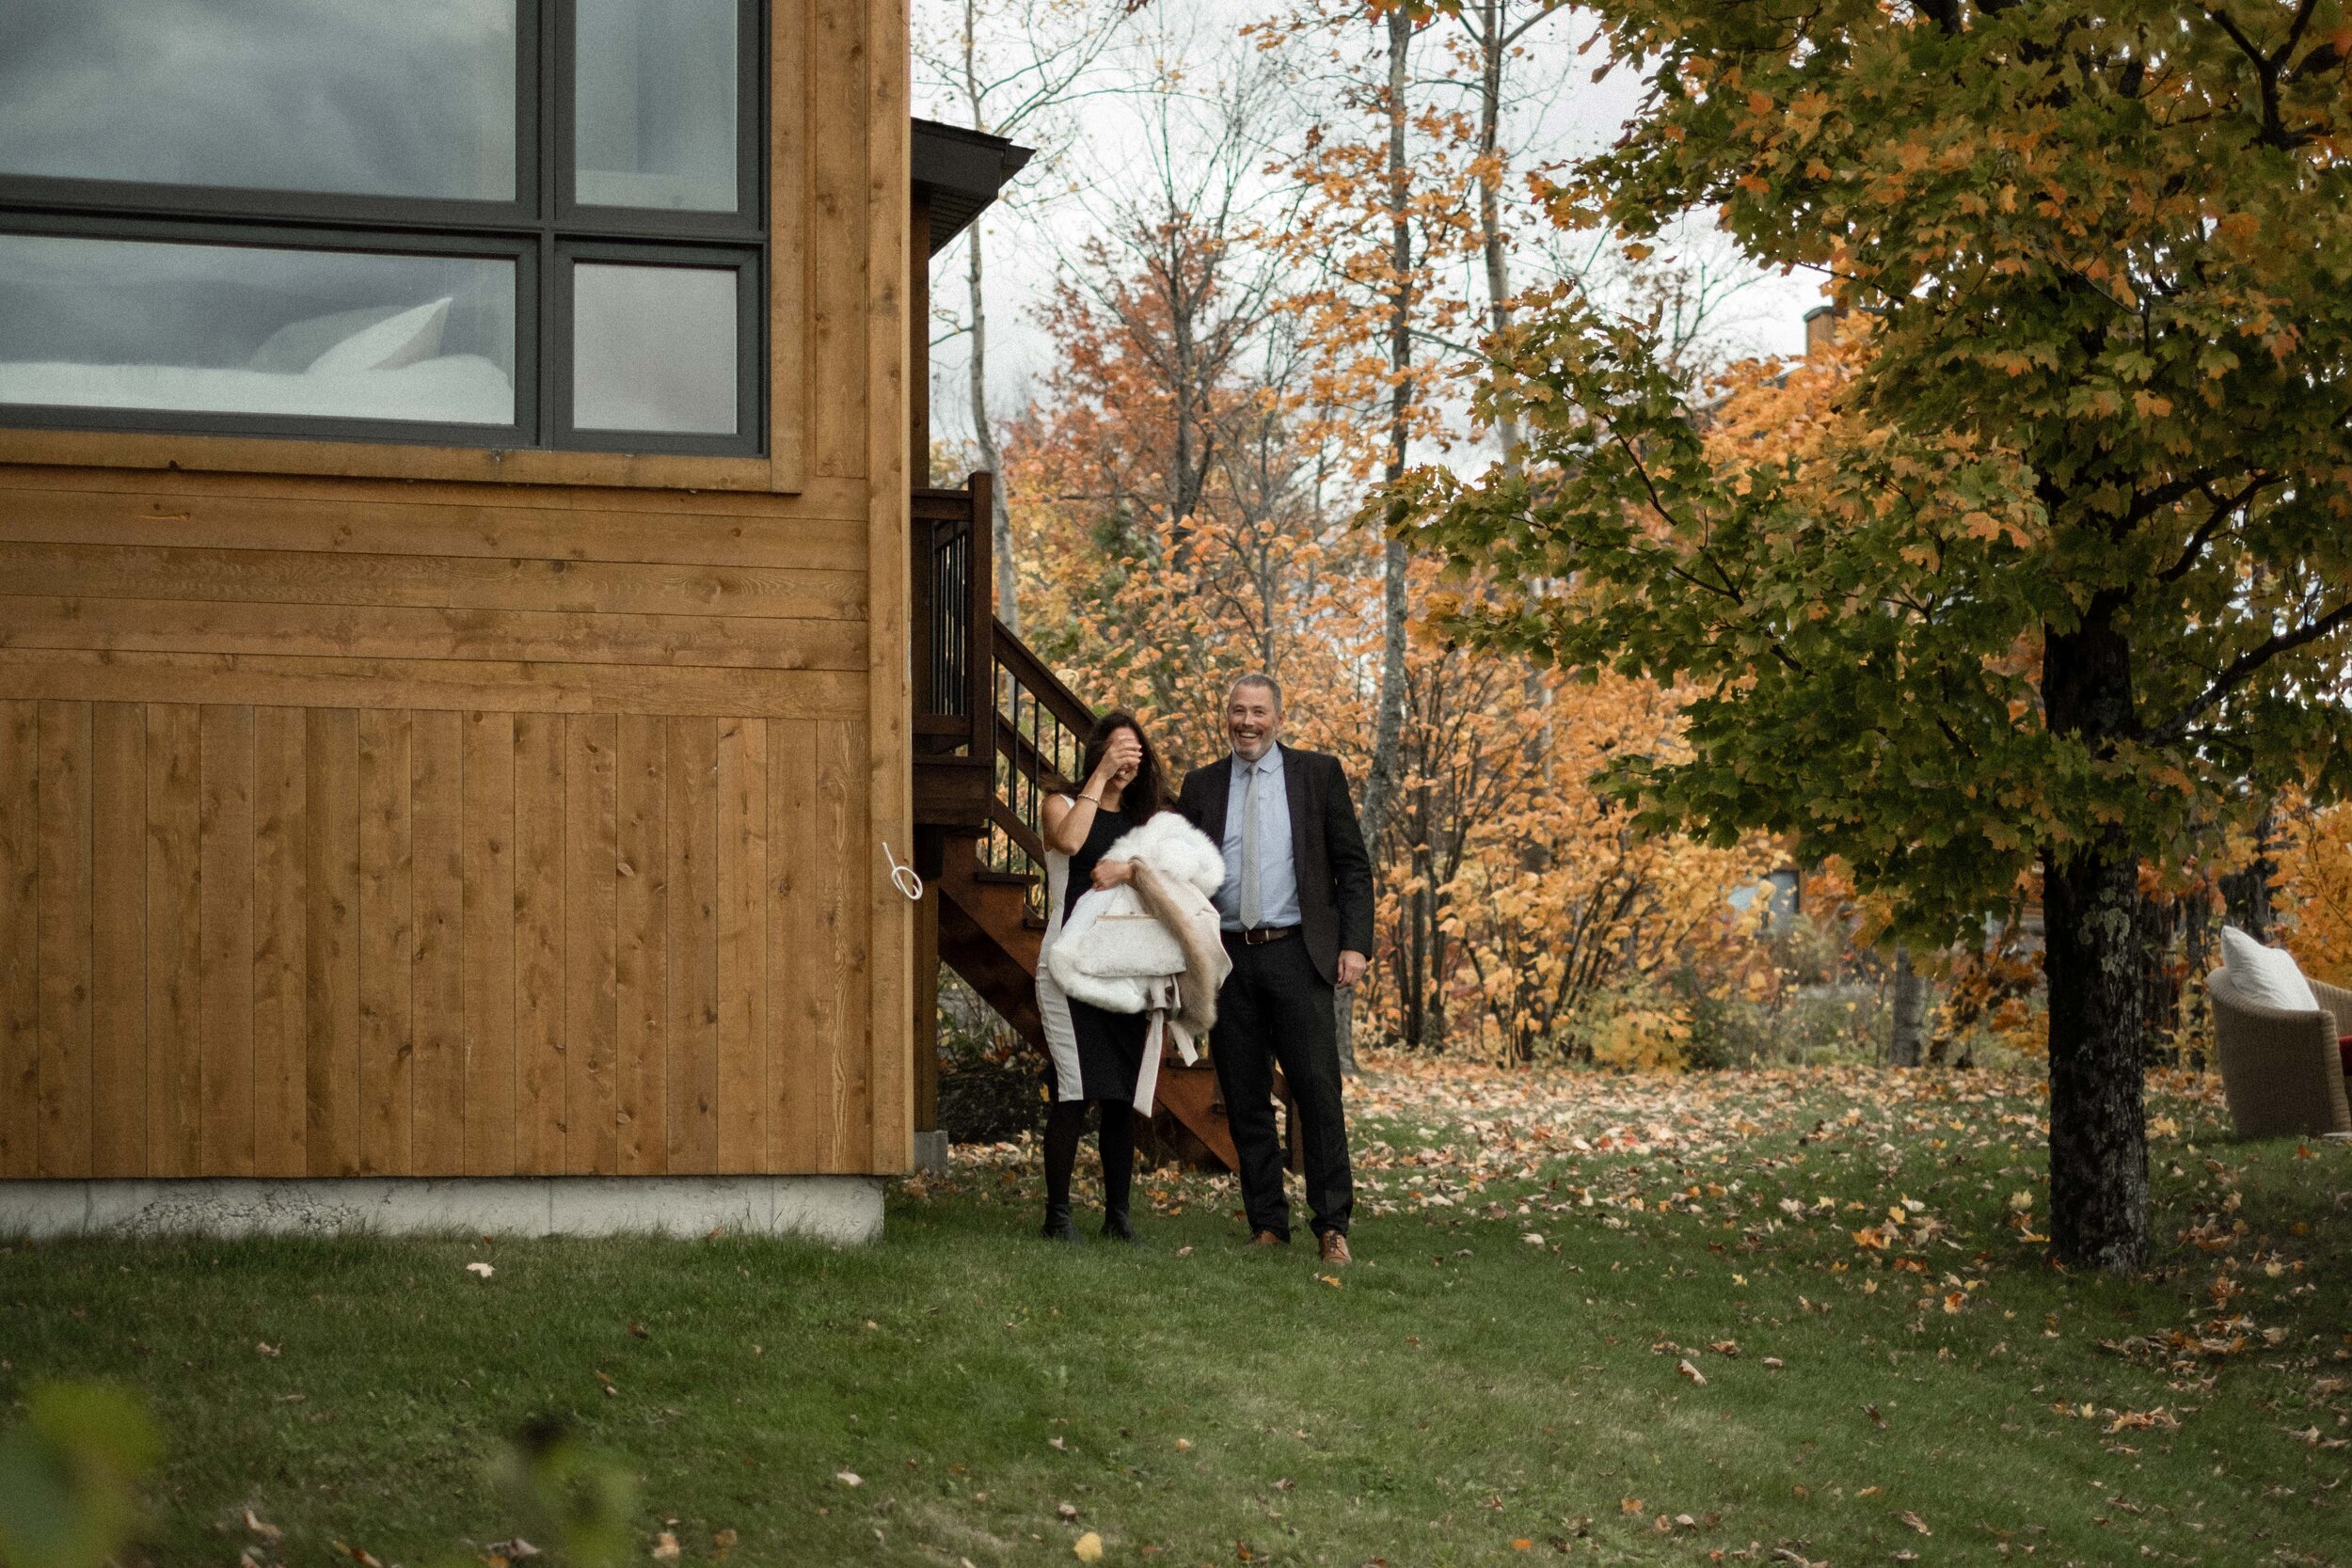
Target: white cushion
[401,340]
[459,388]
[2266,976]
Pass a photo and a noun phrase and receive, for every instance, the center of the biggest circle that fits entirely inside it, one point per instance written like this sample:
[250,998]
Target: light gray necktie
[1249,910]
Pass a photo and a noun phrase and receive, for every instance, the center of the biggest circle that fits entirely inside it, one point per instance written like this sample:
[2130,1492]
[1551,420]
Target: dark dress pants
[1276,1009]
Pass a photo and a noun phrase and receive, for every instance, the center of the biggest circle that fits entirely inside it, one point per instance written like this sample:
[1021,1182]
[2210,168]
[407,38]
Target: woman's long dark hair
[1146,794]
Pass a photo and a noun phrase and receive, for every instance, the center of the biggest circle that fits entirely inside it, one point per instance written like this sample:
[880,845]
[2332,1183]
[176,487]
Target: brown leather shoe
[1333,1245]
[1267,1238]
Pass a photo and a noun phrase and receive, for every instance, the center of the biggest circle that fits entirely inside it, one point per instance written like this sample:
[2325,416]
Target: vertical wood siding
[275,942]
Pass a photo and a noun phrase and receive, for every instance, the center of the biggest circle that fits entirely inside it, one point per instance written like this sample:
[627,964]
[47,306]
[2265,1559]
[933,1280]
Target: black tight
[1065,1120]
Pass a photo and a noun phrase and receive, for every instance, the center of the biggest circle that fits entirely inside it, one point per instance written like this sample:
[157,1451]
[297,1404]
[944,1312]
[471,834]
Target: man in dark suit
[1297,915]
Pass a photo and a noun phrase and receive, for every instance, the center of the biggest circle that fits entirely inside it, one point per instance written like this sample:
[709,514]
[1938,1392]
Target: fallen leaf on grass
[1521,1543]
[483,1269]
[515,1550]
[1629,1506]
[1067,1510]
[849,1477]
[2140,1421]
[1697,1377]
[724,1540]
[1183,1444]
[637,1331]
[1913,1521]
[268,1348]
[1332,1280]
[1533,1238]
[261,1528]
[1088,1548]
[359,1554]
[1876,1419]
[1774,1363]
[665,1547]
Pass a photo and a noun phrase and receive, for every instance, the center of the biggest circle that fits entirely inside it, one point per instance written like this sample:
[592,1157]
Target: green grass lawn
[1623,1319]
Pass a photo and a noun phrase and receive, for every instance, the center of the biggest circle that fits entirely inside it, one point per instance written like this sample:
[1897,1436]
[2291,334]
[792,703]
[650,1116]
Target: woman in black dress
[1103,1052]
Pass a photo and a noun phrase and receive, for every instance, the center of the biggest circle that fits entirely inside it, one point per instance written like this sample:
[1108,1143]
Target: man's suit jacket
[1327,848]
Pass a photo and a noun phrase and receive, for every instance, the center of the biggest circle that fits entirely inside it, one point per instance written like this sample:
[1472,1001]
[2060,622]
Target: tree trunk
[2098,1132]
[2245,895]
[1388,727]
[1910,1012]
[1493,22]
[984,433]
[2193,1021]
[1343,1026]
[2093,965]
[2159,981]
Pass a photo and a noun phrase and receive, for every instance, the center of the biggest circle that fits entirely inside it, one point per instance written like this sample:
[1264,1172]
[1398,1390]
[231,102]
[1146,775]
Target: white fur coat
[1150,946]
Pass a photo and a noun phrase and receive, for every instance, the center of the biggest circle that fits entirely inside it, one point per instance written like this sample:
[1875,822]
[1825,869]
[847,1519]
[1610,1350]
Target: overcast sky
[1097,145]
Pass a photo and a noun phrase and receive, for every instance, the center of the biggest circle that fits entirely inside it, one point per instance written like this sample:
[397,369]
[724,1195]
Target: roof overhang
[960,172]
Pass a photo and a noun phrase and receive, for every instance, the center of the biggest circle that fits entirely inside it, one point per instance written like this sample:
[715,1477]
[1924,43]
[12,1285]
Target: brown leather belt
[1260,936]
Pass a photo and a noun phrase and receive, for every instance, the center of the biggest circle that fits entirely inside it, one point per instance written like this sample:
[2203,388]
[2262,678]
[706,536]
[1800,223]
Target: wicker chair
[2281,1070]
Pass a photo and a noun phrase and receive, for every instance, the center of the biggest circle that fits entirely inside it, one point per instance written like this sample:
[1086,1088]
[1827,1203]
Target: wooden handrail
[1040,681]
[1027,761]
[949,604]
[1019,831]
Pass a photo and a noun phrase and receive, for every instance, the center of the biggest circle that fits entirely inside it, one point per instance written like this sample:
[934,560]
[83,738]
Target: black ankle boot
[1059,1225]
[1116,1227]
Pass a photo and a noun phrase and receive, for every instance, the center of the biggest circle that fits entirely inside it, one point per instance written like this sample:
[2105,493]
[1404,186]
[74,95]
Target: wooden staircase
[995,732]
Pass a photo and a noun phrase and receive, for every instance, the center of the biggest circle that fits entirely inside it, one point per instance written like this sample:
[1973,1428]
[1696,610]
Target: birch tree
[1010,67]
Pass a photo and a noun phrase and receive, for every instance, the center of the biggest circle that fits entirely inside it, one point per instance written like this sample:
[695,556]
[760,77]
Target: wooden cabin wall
[369,826]
[451,834]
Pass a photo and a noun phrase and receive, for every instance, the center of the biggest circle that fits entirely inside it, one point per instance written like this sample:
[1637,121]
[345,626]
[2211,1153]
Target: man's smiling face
[1252,720]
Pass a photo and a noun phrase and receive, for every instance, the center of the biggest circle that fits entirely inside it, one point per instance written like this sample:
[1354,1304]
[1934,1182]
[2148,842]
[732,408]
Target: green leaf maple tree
[2061,576]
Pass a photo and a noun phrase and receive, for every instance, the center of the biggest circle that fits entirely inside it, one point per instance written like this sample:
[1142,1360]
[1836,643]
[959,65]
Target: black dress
[1110,1045]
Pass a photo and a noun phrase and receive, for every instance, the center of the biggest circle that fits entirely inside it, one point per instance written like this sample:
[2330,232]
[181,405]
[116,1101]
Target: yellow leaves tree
[2314,888]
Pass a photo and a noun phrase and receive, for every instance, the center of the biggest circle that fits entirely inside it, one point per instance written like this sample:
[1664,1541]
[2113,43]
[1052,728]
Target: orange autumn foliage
[2314,888]
[1177,526]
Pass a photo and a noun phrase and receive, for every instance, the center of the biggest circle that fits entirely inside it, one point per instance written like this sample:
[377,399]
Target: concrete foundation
[930,1151]
[843,1211]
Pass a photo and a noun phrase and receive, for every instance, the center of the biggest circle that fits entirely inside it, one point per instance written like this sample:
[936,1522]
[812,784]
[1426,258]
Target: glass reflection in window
[141,325]
[395,98]
[656,104]
[653,349]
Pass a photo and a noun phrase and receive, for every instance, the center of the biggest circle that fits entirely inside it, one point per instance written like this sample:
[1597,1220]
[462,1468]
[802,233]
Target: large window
[500,223]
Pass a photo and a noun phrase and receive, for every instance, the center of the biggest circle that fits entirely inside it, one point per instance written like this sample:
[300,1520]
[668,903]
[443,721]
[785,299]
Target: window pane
[653,349]
[118,324]
[656,104]
[410,98]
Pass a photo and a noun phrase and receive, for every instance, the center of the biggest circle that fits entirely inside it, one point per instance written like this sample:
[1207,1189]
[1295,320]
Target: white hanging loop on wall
[902,877]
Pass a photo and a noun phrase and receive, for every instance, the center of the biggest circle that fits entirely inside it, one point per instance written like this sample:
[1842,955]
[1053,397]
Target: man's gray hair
[1257,678]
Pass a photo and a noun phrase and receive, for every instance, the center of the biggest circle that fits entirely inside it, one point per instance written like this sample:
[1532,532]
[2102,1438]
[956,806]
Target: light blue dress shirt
[1278,873]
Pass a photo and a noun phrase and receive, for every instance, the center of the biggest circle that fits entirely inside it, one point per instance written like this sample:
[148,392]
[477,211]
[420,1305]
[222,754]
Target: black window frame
[541,228]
